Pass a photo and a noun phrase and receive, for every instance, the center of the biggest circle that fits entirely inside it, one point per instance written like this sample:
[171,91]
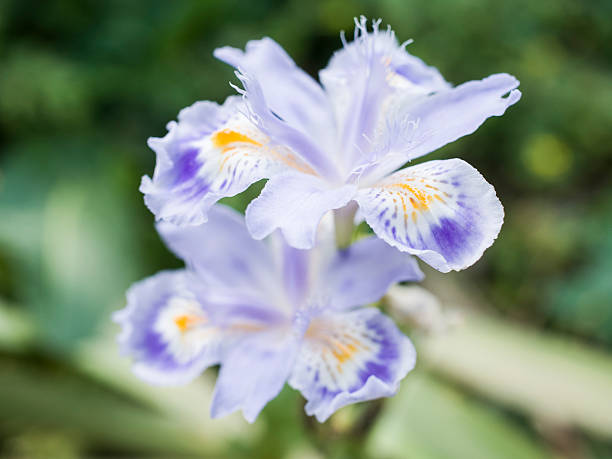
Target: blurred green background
[526,373]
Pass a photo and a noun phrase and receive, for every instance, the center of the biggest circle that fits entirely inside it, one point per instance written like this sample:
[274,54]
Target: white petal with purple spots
[350,357]
[444,212]
[167,330]
[212,152]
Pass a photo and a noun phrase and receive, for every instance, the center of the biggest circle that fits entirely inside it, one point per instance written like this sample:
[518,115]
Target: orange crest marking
[227,138]
[224,139]
[186,321]
[420,199]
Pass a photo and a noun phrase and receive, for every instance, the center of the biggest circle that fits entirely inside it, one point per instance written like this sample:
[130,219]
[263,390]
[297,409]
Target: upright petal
[166,330]
[224,254]
[414,127]
[289,91]
[356,82]
[363,273]
[253,372]
[349,357]
[444,212]
[404,71]
[362,77]
[285,102]
[212,152]
[295,203]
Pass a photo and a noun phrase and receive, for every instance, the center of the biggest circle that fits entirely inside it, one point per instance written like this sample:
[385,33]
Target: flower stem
[343,224]
[329,438]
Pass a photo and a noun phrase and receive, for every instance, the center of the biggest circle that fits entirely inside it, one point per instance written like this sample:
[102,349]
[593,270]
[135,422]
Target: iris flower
[269,313]
[337,144]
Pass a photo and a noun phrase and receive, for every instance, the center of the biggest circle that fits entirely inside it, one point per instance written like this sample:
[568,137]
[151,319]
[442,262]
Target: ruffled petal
[286,103]
[295,203]
[444,212]
[253,372]
[167,331]
[363,273]
[361,78]
[212,152]
[404,71]
[414,127]
[224,255]
[350,357]
[356,83]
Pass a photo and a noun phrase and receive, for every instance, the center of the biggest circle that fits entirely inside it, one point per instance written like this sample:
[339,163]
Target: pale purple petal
[166,330]
[356,83]
[414,127]
[362,78]
[444,212]
[349,357]
[296,273]
[253,372]
[409,73]
[287,104]
[224,255]
[289,91]
[404,71]
[295,203]
[363,273]
[212,152]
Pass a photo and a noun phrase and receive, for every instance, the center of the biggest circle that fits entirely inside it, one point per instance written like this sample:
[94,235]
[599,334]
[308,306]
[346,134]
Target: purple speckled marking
[455,239]
[187,166]
[379,370]
[386,356]
[195,191]
[381,365]
[146,342]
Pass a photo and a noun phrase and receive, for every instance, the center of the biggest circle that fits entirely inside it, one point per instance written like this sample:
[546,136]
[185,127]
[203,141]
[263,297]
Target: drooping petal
[414,127]
[224,255]
[212,152]
[166,330]
[295,203]
[362,77]
[349,357]
[444,212]
[253,372]
[363,273]
[286,103]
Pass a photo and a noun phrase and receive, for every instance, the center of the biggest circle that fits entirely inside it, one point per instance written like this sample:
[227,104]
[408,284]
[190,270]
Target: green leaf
[552,378]
[51,399]
[429,420]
